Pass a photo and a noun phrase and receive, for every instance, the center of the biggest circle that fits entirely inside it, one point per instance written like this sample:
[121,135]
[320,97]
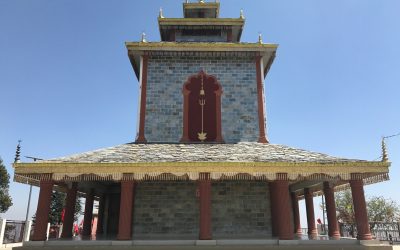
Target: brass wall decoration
[202,101]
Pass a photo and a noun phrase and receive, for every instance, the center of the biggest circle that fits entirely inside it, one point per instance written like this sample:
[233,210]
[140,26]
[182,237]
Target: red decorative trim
[218,93]
[141,138]
[185,136]
[43,210]
[205,206]
[261,115]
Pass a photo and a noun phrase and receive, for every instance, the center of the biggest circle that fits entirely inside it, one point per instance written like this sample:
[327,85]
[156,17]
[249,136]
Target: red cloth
[62,215]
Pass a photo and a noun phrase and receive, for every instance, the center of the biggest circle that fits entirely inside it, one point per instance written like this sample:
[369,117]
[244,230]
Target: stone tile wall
[241,209]
[169,210]
[165,209]
[164,104]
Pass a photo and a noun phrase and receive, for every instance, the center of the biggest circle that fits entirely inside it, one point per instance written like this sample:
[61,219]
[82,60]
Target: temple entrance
[202,109]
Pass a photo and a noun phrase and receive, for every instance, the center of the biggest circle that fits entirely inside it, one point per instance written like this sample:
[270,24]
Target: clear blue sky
[67,85]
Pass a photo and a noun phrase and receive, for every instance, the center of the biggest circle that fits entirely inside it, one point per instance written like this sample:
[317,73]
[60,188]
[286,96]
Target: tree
[57,205]
[379,209]
[5,199]
[344,207]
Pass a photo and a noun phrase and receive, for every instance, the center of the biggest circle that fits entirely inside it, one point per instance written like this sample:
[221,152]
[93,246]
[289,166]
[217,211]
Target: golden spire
[384,152]
[241,14]
[260,41]
[202,101]
[143,37]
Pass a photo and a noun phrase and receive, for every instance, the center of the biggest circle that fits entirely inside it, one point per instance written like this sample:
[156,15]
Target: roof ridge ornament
[241,14]
[384,151]
[143,39]
[17,158]
[260,41]
[160,15]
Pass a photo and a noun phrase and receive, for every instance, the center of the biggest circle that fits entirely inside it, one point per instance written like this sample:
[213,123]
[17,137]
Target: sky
[67,86]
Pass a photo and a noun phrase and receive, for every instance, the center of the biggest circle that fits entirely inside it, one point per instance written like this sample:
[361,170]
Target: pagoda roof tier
[198,49]
[205,9]
[241,161]
[168,25]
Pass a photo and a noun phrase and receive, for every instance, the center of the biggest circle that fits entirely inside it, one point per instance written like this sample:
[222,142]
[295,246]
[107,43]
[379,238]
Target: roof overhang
[300,175]
[137,49]
[202,21]
[168,25]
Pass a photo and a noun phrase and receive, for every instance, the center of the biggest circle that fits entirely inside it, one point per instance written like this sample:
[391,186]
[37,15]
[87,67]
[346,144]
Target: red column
[100,222]
[360,207]
[69,211]
[274,210]
[43,210]
[143,95]
[333,227]
[87,219]
[125,210]
[281,204]
[312,230]
[205,206]
[296,214]
[260,98]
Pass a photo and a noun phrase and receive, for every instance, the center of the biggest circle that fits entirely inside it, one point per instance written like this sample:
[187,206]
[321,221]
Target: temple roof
[240,152]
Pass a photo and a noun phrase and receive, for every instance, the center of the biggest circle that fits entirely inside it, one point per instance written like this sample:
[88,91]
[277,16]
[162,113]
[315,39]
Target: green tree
[344,207]
[379,209]
[5,199]
[57,205]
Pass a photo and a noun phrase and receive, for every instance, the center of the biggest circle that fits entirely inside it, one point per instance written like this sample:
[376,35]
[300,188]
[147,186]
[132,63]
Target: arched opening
[202,109]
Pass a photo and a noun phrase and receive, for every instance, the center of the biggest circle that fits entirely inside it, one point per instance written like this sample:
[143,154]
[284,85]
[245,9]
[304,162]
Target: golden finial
[143,38]
[202,87]
[241,14]
[201,1]
[260,41]
[384,152]
[160,15]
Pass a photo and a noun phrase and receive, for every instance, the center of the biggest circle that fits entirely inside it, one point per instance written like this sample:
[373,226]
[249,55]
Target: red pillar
[87,219]
[125,210]
[312,230]
[100,222]
[260,99]
[43,210]
[360,208]
[333,227]
[296,214]
[281,207]
[143,95]
[205,206]
[69,211]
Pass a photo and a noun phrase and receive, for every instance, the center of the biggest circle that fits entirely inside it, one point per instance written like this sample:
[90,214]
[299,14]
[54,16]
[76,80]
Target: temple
[201,166]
